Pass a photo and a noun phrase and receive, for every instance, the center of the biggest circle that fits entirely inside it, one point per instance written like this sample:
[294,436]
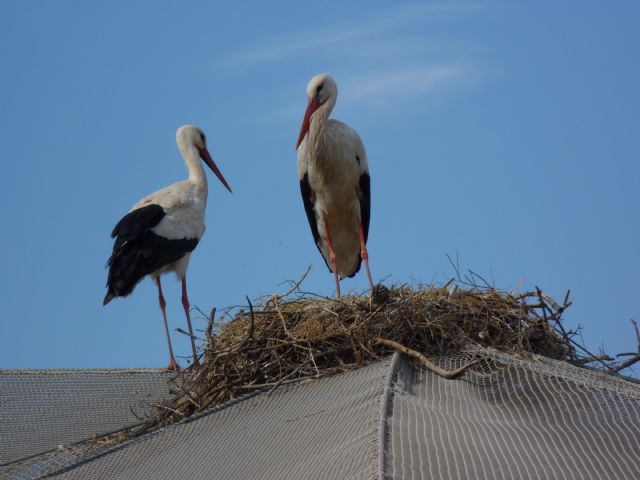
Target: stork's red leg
[172,362]
[332,258]
[364,254]
[185,304]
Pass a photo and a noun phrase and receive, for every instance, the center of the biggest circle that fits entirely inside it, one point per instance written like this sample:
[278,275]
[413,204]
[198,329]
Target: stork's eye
[319,89]
[202,137]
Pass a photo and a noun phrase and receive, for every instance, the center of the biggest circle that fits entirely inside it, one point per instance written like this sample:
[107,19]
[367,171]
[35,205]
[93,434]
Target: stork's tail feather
[357,268]
[108,297]
[135,259]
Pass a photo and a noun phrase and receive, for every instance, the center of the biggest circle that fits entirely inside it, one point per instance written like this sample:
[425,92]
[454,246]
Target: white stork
[161,230]
[334,182]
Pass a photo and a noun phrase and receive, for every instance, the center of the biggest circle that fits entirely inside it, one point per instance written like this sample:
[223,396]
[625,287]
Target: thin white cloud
[381,62]
[303,42]
[390,87]
[385,88]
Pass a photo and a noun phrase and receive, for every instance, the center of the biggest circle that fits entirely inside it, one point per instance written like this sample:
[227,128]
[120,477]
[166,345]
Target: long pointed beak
[204,154]
[306,122]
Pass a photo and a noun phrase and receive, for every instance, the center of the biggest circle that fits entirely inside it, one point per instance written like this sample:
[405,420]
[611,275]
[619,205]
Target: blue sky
[501,132]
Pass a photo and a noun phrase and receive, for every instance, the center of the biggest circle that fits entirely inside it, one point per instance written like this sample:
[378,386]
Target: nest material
[287,340]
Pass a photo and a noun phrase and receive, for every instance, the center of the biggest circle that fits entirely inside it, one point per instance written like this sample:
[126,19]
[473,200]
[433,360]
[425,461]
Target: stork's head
[192,136]
[321,90]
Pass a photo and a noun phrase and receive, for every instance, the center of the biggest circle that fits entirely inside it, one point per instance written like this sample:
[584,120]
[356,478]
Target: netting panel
[326,429]
[507,419]
[40,410]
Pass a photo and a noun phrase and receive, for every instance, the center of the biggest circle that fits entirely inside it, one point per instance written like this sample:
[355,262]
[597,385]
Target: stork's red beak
[311,107]
[204,155]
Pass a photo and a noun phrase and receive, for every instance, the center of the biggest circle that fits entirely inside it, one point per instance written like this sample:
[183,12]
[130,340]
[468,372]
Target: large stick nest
[299,336]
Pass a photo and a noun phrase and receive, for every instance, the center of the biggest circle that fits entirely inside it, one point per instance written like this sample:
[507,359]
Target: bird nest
[300,336]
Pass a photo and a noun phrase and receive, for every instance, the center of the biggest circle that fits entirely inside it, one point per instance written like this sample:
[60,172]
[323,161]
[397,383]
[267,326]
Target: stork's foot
[173,366]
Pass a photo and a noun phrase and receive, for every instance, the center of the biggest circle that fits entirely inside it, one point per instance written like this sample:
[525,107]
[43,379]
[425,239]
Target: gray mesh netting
[41,409]
[504,418]
[507,418]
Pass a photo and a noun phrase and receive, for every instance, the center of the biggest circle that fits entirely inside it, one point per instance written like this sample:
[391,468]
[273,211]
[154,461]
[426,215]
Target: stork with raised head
[334,182]
[159,233]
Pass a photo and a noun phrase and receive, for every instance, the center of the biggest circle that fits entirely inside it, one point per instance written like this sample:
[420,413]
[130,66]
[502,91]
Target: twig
[449,282]
[456,266]
[165,407]
[275,298]
[249,334]
[585,360]
[449,374]
[284,323]
[287,377]
[627,363]
[636,358]
[487,284]
[212,316]
[210,341]
[188,396]
[366,320]
[258,386]
[183,332]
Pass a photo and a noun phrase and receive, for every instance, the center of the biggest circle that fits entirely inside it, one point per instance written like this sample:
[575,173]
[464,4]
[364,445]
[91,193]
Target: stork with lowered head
[334,182]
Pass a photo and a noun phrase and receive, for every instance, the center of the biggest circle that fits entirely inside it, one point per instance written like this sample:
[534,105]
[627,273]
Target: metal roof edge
[68,371]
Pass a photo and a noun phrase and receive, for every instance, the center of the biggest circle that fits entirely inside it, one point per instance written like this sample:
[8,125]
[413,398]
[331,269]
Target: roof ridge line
[387,392]
[67,371]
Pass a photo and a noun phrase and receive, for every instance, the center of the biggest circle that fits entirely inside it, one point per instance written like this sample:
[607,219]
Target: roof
[43,409]
[502,419]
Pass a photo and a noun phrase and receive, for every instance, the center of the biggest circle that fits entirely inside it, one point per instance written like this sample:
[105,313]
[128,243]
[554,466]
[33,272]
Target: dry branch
[636,357]
[444,373]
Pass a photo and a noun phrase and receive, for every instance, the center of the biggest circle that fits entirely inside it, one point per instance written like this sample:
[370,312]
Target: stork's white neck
[197,175]
[317,127]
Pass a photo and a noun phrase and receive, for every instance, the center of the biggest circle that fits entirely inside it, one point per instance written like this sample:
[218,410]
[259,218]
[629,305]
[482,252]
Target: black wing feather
[365,212]
[365,203]
[135,223]
[308,200]
[137,251]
